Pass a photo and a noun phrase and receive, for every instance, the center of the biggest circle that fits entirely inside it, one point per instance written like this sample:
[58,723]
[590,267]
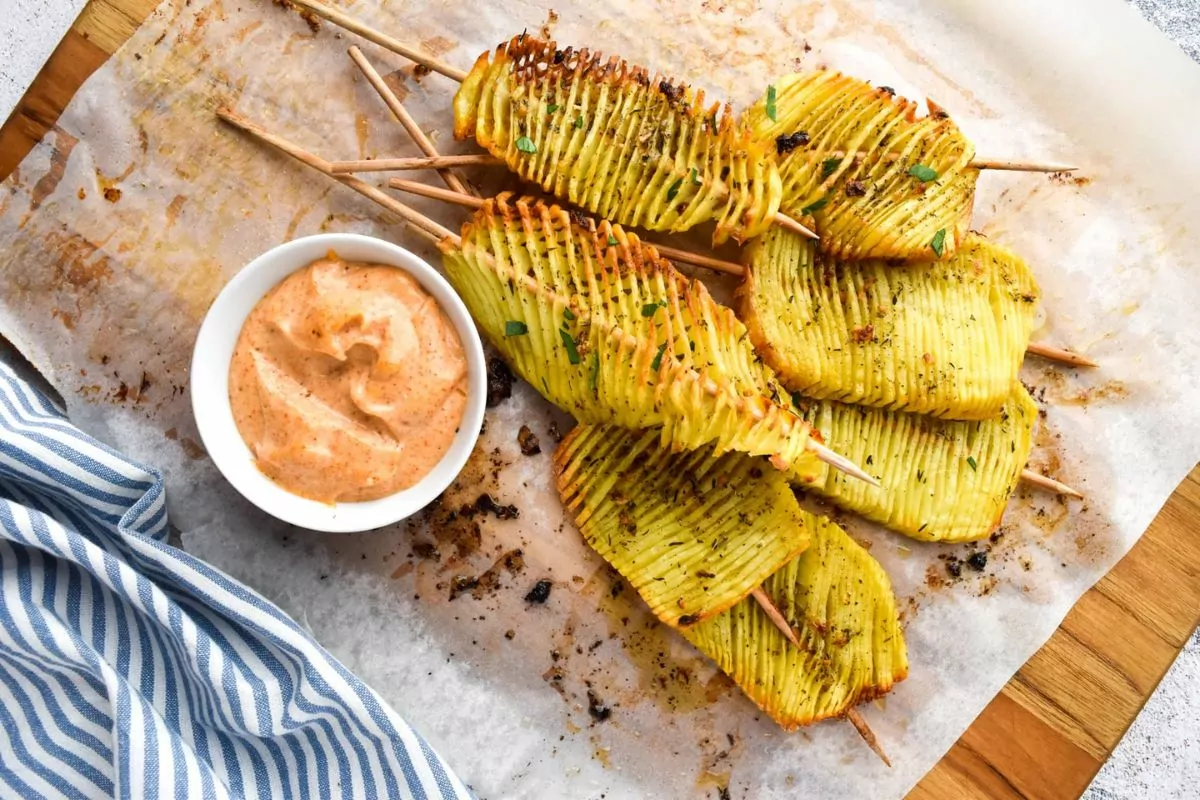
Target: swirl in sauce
[348,382]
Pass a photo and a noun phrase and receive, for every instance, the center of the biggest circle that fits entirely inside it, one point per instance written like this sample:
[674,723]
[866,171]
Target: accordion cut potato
[611,333]
[839,601]
[693,534]
[875,181]
[608,137]
[945,338]
[941,481]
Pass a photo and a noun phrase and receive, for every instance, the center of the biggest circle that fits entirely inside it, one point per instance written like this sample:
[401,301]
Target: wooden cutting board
[1047,733]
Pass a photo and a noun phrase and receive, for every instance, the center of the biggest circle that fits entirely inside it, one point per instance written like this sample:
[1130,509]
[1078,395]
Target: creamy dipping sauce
[348,382]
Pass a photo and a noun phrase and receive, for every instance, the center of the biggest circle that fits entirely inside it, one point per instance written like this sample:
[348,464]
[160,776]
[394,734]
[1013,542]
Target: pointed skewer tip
[840,462]
[868,735]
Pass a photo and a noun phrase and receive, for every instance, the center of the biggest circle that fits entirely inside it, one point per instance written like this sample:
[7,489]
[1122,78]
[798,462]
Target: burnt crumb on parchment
[597,709]
[486,504]
[487,582]
[461,584]
[499,382]
[540,592]
[1069,179]
[426,551]
[553,431]
[528,441]
[977,560]
[310,19]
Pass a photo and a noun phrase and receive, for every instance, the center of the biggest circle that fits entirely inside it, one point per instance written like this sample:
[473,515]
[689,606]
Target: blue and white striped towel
[130,669]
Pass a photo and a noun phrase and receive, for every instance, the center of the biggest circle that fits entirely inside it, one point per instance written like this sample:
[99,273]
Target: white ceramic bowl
[210,385]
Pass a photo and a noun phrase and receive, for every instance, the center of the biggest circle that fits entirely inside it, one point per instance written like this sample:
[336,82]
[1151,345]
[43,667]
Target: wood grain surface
[1047,733]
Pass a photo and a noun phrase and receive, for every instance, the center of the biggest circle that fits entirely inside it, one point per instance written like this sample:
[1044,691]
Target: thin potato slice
[608,137]
[691,533]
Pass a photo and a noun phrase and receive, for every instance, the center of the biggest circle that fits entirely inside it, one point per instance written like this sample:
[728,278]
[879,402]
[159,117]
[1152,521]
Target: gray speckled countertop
[1159,758]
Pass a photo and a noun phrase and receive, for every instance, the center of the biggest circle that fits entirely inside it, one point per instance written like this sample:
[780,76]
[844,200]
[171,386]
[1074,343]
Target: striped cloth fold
[130,669]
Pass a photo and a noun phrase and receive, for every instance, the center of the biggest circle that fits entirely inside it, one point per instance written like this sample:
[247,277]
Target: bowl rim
[209,384]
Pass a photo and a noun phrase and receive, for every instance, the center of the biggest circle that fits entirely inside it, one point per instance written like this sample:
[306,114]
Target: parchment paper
[121,227]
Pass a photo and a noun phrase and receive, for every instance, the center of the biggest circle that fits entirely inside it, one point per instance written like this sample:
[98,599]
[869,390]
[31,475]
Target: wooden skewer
[1058,354]
[786,222]
[1021,166]
[382,39]
[1038,479]
[868,735]
[401,113]
[776,616]
[303,156]
[470,201]
[1012,166]
[840,462]
[483,159]
[431,161]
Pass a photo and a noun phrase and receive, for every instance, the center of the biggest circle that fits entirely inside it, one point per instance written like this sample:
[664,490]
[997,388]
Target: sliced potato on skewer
[875,181]
[691,533]
[610,332]
[945,338]
[613,139]
[694,534]
[839,601]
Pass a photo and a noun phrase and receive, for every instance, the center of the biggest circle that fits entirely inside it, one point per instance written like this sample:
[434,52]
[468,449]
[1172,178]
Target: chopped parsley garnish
[923,173]
[696,177]
[771,110]
[594,377]
[796,399]
[579,121]
[526,145]
[817,206]
[829,166]
[612,240]
[568,314]
[515,328]
[973,465]
[673,189]
[550,109]
[569,343]
[657,362]
[650,309]
[938,245]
